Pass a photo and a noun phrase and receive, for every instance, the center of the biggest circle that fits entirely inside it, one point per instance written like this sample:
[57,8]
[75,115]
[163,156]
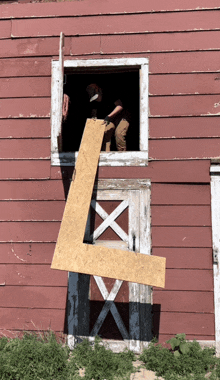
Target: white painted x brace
[109,221]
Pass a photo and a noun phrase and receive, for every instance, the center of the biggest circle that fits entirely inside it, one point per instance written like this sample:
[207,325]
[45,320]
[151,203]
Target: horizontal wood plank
[184,62]
[34,297]
[25,128]
[25,107]
[191,105]
[109,7]
[29,231]
[5,29]
[169,149]
[25,148]
[177,84]
[2,275]
[85,45]
[186,258]
[24,211]
[32,169]
[181,301]
[25,87]
[21,67]
[195,324]
[189,279]
[32,190]
[35,275]
[170,171]
[182,41]
[184,127]
[32,319]
[120,24]
[180,215]
[181,237]
[26,253]
[32,47]
[182,194]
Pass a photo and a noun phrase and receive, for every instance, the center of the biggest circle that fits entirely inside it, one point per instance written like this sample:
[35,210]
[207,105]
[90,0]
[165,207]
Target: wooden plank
[34,297]
[24,169]
[180,194]
[85,45]
[184,62]
[177,84]
[184,127]
[30,210]
[189,280]
[181,301]
[181,237]
[86,258]
[171,171]
[5,29]
[180,215]
[120,24]
[29,231]
[31,47]
[25,87]
[28,128]
[26,253]
[21,67]
[182,41]
[110,7]
[2,275]
[25,148]
[80,192]
[32,319]
[190,323]
[25,107]
[168,149]
[33,190]
[35,275]
[192,105]
[185,258]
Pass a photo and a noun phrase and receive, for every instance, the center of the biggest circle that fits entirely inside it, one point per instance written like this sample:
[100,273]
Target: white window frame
[215,208]
[137,158]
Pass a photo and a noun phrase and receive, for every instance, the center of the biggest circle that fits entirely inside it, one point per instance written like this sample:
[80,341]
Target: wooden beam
[70,252]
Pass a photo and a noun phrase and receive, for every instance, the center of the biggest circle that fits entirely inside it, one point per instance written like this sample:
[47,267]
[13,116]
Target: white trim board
[215,208]
[139,158]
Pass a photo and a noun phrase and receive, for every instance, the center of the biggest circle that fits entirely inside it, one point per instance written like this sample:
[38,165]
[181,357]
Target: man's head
[94,92]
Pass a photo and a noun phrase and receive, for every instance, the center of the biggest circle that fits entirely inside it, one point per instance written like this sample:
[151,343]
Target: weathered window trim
[215,208]
[139,158]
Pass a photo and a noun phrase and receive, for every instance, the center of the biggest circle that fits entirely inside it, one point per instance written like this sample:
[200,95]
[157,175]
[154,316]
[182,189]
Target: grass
[37,357]
[42,357]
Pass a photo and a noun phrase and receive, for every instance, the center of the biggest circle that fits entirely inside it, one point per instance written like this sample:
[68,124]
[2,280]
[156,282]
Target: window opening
[126,77]
[120,85]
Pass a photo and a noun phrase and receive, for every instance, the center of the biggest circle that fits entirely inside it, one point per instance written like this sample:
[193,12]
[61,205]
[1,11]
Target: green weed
[185,360]
[37,357]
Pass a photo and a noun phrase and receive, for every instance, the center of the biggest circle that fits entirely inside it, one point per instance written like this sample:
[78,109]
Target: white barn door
[134,195]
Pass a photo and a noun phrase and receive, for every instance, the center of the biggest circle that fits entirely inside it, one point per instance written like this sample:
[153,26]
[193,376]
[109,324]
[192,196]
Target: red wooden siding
[182,42]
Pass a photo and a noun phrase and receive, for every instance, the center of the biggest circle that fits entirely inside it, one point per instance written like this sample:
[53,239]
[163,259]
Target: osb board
[70,252]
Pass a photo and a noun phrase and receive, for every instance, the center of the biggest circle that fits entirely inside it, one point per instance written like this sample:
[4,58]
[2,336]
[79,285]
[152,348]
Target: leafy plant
[185,360]
[179,344]
[100,362]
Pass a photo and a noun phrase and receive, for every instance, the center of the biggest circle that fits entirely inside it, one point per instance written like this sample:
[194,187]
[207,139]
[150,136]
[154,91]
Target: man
[114,114]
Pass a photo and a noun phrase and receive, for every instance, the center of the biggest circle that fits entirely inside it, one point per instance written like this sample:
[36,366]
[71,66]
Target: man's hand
[106,120]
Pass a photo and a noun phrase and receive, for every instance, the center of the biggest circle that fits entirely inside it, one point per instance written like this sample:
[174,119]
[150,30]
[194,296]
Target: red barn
[166,57]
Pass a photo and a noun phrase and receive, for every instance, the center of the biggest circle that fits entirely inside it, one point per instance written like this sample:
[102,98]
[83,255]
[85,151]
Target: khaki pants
[120,136]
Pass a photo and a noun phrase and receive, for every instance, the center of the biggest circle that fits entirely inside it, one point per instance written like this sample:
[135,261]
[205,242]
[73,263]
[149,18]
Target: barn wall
[182,42]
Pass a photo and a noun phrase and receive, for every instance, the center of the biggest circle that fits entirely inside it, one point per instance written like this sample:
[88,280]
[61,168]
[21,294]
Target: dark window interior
[115,85]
